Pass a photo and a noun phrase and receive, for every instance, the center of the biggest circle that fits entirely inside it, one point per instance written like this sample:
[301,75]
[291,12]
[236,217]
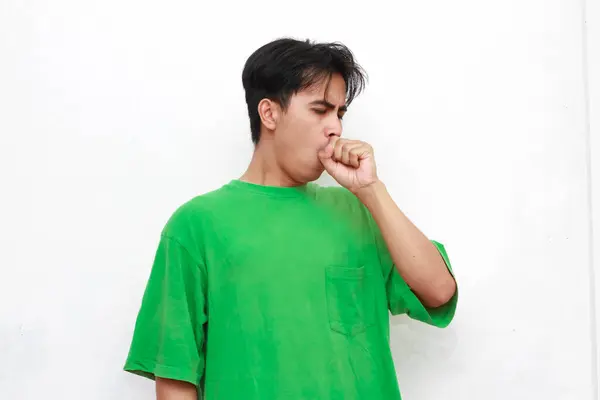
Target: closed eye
[321,111]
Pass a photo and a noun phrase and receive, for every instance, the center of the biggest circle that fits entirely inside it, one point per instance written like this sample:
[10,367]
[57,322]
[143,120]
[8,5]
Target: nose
[334,127]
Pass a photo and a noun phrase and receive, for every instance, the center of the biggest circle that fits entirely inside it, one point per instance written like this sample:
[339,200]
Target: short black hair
[285,66]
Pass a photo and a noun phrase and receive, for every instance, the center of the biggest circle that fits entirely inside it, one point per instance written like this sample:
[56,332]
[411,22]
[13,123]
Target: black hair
[286,66]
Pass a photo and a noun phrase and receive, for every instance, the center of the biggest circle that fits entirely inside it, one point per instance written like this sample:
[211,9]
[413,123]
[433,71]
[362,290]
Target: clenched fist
[350,162]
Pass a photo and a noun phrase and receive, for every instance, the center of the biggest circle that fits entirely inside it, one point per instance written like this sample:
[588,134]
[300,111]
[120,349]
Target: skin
[286,154]
[304,140]
[168,389]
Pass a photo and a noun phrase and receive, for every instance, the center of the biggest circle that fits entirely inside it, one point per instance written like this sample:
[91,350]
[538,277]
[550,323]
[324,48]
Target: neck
[264,168]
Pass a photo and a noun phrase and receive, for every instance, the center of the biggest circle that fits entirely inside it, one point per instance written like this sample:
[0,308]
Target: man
[272,287]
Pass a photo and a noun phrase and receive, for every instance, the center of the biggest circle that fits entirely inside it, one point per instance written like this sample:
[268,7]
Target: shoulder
[185,223]
[343,201]
[337,195]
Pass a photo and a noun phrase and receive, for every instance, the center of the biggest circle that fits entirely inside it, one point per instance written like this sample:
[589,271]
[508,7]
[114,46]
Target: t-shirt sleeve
[400,297]
[402,300]
[169,334]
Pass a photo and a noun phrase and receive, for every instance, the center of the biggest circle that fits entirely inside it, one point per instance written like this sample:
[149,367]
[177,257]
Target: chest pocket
[350,301]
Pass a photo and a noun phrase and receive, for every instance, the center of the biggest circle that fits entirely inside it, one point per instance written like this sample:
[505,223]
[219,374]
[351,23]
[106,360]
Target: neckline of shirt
[273,191]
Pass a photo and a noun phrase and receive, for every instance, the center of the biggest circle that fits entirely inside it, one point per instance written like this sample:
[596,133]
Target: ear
[269,113]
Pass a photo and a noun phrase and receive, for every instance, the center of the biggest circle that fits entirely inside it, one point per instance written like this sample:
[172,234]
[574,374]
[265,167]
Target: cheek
[309,122]
[302,136]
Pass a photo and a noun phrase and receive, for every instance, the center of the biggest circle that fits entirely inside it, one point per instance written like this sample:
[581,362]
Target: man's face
[311,119]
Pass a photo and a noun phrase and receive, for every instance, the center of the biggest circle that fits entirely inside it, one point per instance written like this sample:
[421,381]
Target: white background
[484,116]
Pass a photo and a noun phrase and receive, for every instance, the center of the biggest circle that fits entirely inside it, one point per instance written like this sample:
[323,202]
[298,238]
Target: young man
[273,288]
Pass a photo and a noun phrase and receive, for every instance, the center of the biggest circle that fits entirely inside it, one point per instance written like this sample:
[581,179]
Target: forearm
[415,256]
[168,389]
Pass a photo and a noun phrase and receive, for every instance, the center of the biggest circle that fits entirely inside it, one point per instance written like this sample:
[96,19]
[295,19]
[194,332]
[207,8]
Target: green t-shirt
[275,293]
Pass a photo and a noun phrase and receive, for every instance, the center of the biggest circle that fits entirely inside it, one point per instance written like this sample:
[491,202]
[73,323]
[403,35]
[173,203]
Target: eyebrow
[327,104]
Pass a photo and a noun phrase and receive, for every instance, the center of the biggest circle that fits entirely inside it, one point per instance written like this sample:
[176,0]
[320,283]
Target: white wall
[113,113]
[592,40]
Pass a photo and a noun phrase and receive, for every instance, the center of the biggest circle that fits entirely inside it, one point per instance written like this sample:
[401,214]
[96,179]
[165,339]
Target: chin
[315,174]
[309,171]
